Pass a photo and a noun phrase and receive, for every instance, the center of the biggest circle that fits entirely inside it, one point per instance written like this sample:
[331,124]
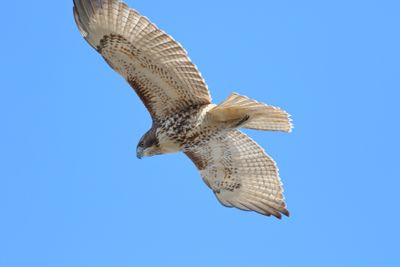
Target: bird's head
[148,145]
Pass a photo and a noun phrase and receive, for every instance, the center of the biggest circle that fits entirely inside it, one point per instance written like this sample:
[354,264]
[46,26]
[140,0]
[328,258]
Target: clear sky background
[73,193]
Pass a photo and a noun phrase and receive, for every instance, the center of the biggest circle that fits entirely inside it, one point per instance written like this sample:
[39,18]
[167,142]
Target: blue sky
[72,192]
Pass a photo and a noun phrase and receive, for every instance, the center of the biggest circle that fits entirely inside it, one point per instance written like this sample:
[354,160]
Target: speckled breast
[186,129]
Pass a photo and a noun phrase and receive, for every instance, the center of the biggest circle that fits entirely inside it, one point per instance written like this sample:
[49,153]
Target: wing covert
[152,62]
[240,173]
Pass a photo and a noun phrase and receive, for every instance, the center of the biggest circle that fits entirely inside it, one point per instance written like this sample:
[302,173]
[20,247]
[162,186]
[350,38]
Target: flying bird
[233,166]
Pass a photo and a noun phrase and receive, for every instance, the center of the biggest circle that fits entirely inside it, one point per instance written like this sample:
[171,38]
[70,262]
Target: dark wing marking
[153,63]
[240,173]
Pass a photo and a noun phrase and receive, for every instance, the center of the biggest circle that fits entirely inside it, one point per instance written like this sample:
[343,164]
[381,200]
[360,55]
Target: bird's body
[238,171]
[187,128]
[184,129]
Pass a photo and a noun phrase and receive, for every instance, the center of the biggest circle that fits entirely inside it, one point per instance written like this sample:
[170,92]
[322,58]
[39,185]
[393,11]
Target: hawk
[236,168]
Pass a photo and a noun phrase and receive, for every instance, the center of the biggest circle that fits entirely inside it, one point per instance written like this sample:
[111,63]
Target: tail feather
[261,116]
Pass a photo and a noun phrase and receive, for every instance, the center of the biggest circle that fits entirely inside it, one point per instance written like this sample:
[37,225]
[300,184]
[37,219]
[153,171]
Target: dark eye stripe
[150,142]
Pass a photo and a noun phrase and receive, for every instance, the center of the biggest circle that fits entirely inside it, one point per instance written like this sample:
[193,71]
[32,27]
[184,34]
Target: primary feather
[152,62]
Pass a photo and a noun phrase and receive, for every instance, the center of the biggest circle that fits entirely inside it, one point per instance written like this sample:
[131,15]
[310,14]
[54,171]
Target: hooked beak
[139,153]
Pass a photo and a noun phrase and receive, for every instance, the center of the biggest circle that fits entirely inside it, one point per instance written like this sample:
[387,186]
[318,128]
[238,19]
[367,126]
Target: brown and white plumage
[263,117]
[156,66]
[239,172]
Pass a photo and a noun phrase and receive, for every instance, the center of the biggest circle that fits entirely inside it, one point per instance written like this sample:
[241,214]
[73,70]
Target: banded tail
[255,115]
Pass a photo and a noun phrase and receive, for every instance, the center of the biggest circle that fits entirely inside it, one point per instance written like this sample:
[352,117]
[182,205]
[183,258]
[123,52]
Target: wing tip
[279,214]
[285,212]
[81,29]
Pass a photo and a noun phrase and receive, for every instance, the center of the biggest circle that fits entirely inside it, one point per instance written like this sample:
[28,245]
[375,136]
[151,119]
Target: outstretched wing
[240,173]
[153,63]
